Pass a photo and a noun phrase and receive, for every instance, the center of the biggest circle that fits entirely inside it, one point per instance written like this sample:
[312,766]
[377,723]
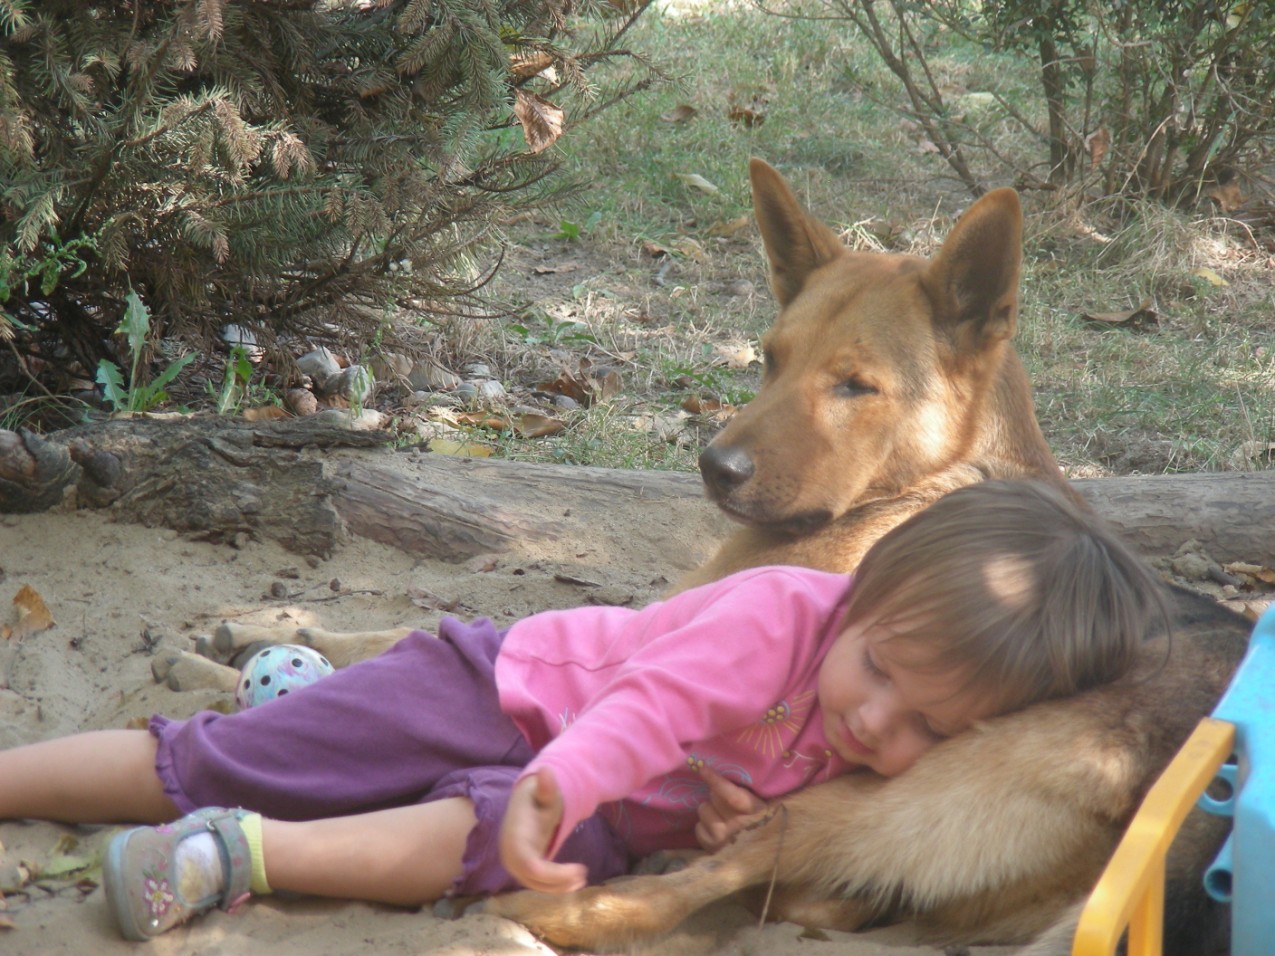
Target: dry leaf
[690,248]
[265,413]
[6,922]
[1140,318]
[730,228]
[532,425]
[654,249]
[708,408]
[523,65]
[1209,276]
[697,181]
[925,146]
[541,120]
[682,113]
[483,419]
[33,616]
[461,449]
[735,356]
[1255,571]
[1097,143]
[555,270]
[743,116]
[586,386]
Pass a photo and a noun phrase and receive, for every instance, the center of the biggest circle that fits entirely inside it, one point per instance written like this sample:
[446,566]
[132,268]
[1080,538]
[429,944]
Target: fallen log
[308,484]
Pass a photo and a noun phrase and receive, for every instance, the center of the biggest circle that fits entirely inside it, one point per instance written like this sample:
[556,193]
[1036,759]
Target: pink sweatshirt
[625,705]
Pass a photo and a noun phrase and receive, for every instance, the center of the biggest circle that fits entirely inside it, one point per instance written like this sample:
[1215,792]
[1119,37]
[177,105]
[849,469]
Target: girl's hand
[531,820]
[728,809]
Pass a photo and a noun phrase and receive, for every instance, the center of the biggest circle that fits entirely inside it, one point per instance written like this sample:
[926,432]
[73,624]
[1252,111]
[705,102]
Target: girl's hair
[1014,584]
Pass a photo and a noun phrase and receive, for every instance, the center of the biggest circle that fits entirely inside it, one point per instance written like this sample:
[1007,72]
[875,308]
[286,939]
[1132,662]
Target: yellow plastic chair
[1131,891]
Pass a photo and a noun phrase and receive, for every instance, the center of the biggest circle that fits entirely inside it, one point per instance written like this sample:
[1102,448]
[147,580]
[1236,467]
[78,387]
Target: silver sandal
[143,887]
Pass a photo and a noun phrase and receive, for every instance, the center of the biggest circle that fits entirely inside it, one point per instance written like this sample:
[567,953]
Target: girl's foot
[157,877]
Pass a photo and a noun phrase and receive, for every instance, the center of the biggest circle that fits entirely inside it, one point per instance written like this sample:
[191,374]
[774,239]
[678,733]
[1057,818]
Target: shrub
[294,167]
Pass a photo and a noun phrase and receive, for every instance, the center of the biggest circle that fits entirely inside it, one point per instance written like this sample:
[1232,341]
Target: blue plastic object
[1245,869]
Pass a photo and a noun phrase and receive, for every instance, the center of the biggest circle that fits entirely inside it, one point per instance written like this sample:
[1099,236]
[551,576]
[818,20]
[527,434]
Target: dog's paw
[182,671]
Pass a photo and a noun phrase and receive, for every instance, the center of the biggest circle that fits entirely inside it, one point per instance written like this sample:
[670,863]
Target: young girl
[548,755]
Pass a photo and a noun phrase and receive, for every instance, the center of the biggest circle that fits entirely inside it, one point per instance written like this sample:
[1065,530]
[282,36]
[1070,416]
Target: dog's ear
[796,243]
[973,281]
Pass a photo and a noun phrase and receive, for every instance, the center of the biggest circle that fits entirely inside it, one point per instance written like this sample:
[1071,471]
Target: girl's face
[884,714]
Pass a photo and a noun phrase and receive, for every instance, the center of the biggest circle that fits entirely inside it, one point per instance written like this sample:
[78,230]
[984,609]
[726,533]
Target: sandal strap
[236,857]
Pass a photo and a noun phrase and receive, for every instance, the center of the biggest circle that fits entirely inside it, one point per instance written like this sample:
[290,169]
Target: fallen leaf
[585,386]
[1140,318]
[682,113]
[532,425]
[461,449]
[709,408]
[556,270]
[1209,276]
[743,116]
[33,615]
[735,356]
[655,250]
[265,413]
[730,228]
[696,181]
[6,922]
[63,866]
[541,120]
[690,248]
[925,146]
[1255,571]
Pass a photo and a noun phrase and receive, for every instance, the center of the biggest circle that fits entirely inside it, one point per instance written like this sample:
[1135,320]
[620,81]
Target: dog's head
[877,369]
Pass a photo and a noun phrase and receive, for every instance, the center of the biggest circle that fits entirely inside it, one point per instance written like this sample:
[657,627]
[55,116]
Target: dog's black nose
[725,468]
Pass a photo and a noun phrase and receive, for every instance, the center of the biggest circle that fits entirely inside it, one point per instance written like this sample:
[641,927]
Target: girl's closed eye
[871,667]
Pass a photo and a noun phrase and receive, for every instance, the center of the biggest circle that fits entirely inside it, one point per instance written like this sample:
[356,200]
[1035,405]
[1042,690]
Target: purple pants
[420,722]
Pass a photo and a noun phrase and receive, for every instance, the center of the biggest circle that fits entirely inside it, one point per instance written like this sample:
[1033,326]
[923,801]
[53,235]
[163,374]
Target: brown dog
[889,381]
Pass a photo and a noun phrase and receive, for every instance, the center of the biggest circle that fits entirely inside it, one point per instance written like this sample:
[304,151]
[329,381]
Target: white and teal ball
[278,671]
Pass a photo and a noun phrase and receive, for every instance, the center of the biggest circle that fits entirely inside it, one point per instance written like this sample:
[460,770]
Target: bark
[309,484]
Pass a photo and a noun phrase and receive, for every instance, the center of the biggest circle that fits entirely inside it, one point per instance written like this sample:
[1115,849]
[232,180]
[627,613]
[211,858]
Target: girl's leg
[405,856]
[107,776]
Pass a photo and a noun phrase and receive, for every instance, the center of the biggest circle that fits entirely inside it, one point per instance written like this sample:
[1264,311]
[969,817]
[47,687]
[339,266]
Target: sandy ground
[122,595]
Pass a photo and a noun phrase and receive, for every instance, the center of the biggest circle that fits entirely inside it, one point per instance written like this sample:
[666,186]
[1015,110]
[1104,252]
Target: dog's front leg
[614,914]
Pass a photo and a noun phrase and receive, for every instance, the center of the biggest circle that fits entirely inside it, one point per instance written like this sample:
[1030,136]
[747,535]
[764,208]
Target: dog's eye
[853,388]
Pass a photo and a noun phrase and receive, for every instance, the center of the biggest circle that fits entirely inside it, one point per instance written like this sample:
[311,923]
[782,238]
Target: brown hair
[1014,584]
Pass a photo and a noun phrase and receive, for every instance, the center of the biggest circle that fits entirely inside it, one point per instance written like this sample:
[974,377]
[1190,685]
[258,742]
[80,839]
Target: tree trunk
[308,484]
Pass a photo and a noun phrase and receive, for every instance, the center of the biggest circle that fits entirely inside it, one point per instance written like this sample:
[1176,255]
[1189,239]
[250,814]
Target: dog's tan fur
[891,380]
